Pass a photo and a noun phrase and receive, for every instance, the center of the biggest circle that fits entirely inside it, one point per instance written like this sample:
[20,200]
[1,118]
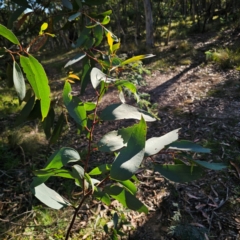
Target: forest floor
[204,101]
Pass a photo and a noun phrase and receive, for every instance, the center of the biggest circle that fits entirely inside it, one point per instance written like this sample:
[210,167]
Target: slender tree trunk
[149,23]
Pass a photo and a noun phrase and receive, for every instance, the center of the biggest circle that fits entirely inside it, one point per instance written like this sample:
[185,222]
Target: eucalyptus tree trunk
[149,23]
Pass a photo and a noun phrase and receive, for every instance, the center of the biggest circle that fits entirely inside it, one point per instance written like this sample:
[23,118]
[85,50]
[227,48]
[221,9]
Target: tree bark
[149,23]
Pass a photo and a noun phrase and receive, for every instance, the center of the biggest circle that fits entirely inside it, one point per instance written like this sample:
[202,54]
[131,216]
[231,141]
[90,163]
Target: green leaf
[49,197]
[97,76]
[130,157]
[115,220]
[74,106]
[89,106]
[185,145]
[8,34]
[85,75]
[156,144]
[101,196]
[118,111]
[48,123]
[18,80]
[115,140]
[126,84]
[61,157]
[25,111]
[89,43]
[130,186]
[212,166]
[52,172]
[58,129]
[106,20]
[36,111]
[106,13]
[98,34]
[76,58]
[74,16]
[84,36]
[38,79]
[137,58]
[78,172]
[101,169]
[179,172]
[126,198]
[44,26]
[14,16]
[67,4]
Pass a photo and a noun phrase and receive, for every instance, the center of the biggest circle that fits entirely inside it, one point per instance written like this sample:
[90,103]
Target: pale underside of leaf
[120,111]
[97,76]
[49,197]
[18,80]
[156,144]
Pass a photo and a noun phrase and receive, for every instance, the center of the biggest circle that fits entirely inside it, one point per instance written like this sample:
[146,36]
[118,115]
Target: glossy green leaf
[49,197]
[38,79]
[97,76]
[130,157]
[115,220]
[57,129]
[89,106]
[115,140]
[52,172]
[67,4]
[91,26]
[124,83]
[137,58]
[48,123]
[74,106]
[61,157]
[101,169]
[156,144]
[106,13]
[90,181]
[126,198]
[101,196]
[74,16]
[130,186]
[106,20]
[212,166]
[19,82]
[25,111]
[98,34]
[118,111]
[14,16]
[179,172]
[185,145]
[8,34]
[76,58]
